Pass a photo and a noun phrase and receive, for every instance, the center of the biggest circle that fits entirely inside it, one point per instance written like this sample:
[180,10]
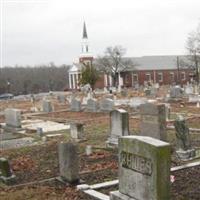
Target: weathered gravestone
[13,118]
[61,98]
[153,121]
[107,105]
[147,92]
[135,102]
[47,106]
[185,151]
[124,92]
[167,110]
[75,105]
[119,126]
[193,98]
[144,169]
[153,91]
[176,92]
[6,175]
[92,105]
[68,162]
[188,89]
[77,131]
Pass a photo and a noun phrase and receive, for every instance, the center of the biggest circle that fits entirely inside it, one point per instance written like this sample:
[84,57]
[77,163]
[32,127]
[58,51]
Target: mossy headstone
[185,150]
[6,175]
[144,169]
[69,162]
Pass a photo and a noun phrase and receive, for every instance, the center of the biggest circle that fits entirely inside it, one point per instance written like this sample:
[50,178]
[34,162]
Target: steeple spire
[84,31]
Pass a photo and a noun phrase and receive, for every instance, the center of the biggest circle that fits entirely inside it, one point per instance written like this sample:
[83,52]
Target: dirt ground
[40,162]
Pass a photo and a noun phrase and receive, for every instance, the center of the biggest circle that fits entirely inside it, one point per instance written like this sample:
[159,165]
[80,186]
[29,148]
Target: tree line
[25,79]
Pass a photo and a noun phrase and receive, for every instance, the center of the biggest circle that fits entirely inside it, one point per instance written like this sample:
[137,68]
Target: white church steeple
[85,53]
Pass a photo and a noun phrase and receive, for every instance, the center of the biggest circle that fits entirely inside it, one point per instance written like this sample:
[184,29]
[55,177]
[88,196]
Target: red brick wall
[127,77]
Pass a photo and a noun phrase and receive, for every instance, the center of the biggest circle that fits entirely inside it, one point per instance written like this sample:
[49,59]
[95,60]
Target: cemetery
[133,146]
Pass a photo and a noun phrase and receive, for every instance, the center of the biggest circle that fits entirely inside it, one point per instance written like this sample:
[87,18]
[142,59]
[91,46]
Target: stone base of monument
[8,180]
[112,142]
[78,140]
[10,128]
[116,195]
[71,183]
[186,155]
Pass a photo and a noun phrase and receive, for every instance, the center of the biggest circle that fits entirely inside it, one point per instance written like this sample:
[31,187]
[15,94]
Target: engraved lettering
[137,163]
[149,119]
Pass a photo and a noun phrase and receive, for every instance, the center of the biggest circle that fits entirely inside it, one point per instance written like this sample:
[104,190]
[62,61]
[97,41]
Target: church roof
[165,62]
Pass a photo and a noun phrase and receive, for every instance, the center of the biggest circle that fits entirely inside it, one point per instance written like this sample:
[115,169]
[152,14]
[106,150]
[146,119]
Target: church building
[85,57]
[156,69]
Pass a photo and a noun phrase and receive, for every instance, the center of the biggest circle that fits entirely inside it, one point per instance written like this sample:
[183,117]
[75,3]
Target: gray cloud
[35,33]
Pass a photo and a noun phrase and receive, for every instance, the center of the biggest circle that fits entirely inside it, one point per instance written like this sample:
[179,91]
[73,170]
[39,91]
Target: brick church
[154,69]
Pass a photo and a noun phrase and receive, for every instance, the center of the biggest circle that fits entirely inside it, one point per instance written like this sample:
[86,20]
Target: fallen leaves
[22,163]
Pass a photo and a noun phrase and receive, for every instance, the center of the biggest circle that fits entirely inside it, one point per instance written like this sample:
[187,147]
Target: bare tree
[193,50]
[24,80]
[113,62]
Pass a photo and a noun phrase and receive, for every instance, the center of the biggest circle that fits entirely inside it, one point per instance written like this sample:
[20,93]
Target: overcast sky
[38,32]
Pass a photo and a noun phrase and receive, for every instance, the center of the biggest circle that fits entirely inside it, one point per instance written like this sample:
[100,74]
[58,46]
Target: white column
[73,87]
[105,80]
[70,85]
[110,80]
[77,81]
[120,80]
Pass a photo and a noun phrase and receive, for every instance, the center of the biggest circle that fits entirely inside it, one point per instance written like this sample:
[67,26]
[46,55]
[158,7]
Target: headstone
[13,118]
[188,89]
[75,105]
[61,98]
[124,92]
[185,151]
[32,98]
[168,111]
[107,105]
[144,169]
[69,99]
[119,126]
[137,101]
[40,131]
[77,131]
[176,92]
[153,121]
[88,150]
[92,105]
[84,100]
[196,89]
[47,106]
[147,92]
[6,175]
[193,98]
[68,162]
